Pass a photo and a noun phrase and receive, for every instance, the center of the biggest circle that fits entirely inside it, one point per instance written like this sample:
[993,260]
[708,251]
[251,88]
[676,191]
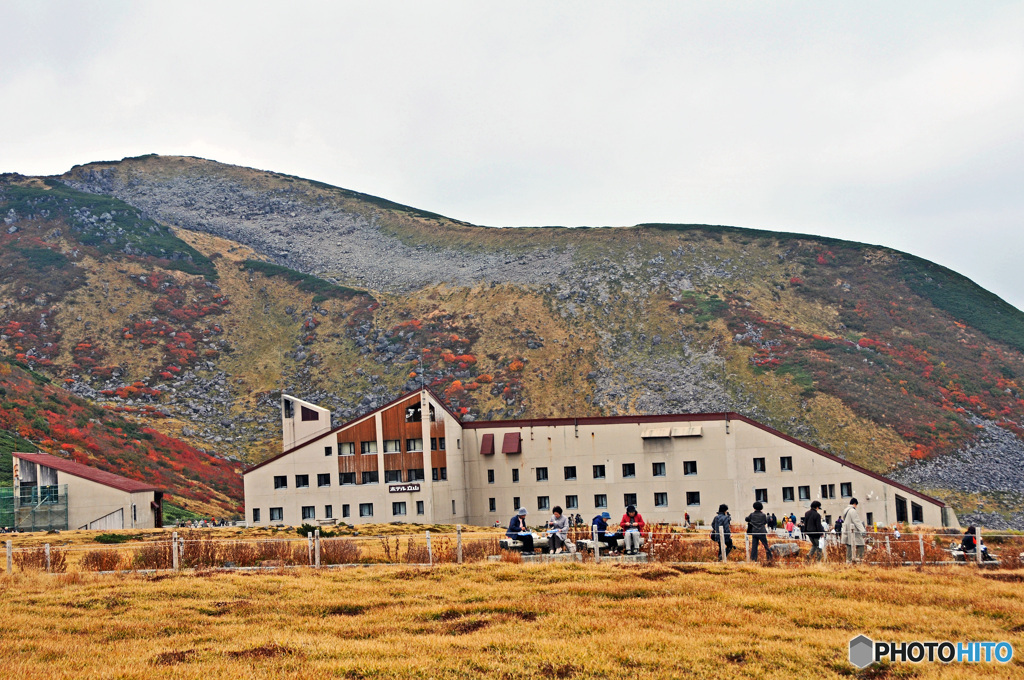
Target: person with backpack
[719,527]
[814,531]
[757,527]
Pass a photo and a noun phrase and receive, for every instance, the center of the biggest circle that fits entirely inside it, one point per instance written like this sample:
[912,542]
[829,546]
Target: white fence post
[977,546]
[458,541]
[430,552]
[721,543]
[316,549]
[309,547]
[746,547]
[10,557]
[597,545]
[920,543]
[174,551]
[888,548]
[46,549]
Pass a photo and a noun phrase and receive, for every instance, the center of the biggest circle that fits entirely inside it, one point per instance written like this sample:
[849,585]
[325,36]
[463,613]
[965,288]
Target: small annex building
[56,493]
[414,460]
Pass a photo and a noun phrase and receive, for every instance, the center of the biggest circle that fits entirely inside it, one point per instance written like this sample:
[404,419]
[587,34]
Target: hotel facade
[413,460]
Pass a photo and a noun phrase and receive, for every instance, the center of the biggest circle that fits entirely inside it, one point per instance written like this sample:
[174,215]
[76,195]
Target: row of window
[308,512]
[390,446]
[368,477]
[600,472]
[828,491]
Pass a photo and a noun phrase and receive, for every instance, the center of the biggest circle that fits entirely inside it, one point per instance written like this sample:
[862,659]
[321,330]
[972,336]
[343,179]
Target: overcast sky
[893,123]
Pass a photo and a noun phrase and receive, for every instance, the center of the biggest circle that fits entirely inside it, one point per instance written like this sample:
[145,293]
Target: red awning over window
[512,443]
[487,445]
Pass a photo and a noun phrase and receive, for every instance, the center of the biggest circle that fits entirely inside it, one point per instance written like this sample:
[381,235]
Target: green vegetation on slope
[105,223]
[322,290]
[10,442]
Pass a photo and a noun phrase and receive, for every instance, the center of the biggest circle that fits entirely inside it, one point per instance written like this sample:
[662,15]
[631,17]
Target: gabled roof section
[85,472]
[436,399]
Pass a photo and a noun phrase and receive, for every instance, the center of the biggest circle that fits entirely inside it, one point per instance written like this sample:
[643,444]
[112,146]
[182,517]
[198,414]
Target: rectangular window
[414,414]
[689,467]
[661,500]
[345,512]
[542,474]
[346,448]
[572,502]
[280,482]
[309,414]
[277,514]
[629,499]
[901,509]
[761,495]
[916,513]
[323,479]
[392,446]
[828,490]
[805,493]
[492,504]
[515,475]
[398,508]
[366,509]
[759,465]
[543,503]
[370,477]
[255,515]
[846,489]
[414,444]
[419,507]
[308,512]
[629,470]
[415,475]
[346,478]
[658,469]
[490,476]
[440,444]
[787,494]
[693,497]
[328,450]
[392,476]
[329,511]
[871,519]
[289,409]
[599,472]
[786,463]
[440,474]
[301,481]
[569,473]
[433,443]
[600,500]
[515,503]
[368,447]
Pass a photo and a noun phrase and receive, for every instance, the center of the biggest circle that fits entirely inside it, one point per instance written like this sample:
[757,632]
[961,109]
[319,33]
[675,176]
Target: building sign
[402,488]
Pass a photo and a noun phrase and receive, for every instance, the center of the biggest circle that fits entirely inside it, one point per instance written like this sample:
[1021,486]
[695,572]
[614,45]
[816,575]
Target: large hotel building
[413,460]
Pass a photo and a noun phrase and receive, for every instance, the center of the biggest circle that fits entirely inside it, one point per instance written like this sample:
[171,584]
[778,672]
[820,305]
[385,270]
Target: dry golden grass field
[500,620]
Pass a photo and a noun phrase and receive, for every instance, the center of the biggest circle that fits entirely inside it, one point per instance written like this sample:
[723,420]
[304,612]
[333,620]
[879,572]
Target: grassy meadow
[499,620]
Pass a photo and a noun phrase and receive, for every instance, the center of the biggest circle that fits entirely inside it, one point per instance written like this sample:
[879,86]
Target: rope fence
[197,549]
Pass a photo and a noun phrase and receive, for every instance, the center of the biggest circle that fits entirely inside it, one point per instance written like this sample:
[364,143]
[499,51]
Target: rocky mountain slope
[207,289]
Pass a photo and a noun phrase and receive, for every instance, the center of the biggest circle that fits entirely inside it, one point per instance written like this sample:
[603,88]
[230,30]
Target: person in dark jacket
[721,524]
[601,522]
[518,530]
[813,530]
[773,523]
[969,544]
[757,527]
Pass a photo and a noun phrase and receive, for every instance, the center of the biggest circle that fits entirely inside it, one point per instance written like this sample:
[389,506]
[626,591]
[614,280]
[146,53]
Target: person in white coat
[853,533]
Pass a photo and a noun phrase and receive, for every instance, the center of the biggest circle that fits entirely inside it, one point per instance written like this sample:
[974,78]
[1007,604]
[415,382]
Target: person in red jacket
[632,524]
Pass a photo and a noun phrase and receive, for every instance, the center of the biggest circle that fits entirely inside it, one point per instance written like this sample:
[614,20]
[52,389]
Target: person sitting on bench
[518,531]
[632,524]
[605,534]
[558,530]
[969,544]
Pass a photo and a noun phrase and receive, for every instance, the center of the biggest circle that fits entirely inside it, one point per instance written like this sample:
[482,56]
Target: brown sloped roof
[85,472]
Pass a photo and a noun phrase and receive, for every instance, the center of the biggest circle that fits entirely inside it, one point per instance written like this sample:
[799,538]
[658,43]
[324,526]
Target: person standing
[686,520]
[558,530]
[518,531]
[720,525]
[814,530]
[853,533]
[757,527]
[632,524]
